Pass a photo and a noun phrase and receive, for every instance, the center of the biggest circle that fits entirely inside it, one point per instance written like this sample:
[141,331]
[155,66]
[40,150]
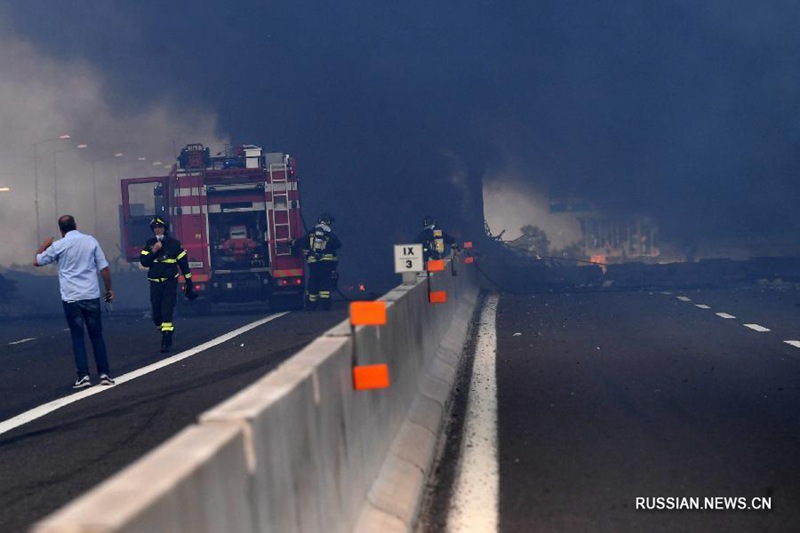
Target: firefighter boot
[166,341]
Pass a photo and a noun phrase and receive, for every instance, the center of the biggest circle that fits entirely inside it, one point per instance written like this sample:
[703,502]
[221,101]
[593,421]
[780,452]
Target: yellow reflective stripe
[167,326]
[158,280]
[287,272]
[145,252]
[182,254]
[167,260]
[188,276]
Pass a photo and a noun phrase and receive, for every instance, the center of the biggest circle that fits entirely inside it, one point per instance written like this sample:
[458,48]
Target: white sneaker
[82,383]
[106,380]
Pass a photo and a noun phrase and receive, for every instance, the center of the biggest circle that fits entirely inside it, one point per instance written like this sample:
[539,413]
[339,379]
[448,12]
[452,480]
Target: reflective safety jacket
[163,264]
[434,241]
[320,244]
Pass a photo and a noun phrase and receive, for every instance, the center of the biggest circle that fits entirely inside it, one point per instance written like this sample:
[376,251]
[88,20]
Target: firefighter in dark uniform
[319,248]
[163,255]
[434,240]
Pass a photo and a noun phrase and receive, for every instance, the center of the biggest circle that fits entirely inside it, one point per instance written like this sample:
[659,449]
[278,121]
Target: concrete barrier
[321,456]
[197,481]
[356,459]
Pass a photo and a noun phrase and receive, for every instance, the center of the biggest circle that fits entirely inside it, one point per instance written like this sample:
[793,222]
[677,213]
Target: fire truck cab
[237,216]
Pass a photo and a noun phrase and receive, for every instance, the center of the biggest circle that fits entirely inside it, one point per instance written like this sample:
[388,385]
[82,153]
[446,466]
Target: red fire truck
[236,215]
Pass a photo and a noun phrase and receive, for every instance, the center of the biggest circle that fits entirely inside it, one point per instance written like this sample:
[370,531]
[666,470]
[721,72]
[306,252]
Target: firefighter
[319,248]
[434,240]
[163,255]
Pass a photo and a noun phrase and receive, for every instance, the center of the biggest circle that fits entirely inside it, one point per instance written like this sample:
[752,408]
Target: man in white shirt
[79,260]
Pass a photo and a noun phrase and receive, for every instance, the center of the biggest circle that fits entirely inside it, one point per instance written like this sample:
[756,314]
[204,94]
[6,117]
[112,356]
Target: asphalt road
[49,461]
[603,398]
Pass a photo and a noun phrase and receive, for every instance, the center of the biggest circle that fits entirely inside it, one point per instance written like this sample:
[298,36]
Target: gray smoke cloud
[42,98]
[680,110]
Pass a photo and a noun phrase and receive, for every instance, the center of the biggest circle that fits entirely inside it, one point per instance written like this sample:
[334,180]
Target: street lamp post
[94,184]
[36,179]
[55,172]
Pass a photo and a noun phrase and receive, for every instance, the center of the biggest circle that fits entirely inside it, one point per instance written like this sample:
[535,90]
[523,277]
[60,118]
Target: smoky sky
[683,110]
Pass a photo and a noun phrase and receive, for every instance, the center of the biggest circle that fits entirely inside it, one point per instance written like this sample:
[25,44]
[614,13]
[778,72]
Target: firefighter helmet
[325,218]
[159,221]
[428,221]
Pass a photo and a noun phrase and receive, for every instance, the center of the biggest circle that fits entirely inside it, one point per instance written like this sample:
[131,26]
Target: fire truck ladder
[278,176]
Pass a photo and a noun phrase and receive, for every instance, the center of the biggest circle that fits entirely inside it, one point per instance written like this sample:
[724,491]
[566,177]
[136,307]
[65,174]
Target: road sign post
[408,262]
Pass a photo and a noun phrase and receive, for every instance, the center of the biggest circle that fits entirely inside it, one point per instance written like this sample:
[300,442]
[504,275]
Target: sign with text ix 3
[408,258]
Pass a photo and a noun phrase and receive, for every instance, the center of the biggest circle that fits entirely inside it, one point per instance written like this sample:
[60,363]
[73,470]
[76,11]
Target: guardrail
[300,449]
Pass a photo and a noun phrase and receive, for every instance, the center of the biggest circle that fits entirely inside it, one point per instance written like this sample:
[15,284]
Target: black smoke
[686,111]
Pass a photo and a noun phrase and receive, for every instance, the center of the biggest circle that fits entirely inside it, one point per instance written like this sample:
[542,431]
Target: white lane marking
[666,292]
[725,315]
[702,306]
[21,341]
[756,327]
[684,298]
[47,408]
[475,499]
[796,344]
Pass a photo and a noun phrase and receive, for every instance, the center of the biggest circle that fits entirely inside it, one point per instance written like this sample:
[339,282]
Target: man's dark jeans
[88,312]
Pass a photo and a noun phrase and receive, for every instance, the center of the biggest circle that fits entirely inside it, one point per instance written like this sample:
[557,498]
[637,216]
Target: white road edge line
[474,505]
[47,408]
[796,344]
[756,327]
[724,315]
[22,340]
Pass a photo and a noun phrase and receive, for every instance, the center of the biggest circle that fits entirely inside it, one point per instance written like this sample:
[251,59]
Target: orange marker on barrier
[437,297]
[467,245]
[371,377]
[469,260]
[435,265]
[368,313]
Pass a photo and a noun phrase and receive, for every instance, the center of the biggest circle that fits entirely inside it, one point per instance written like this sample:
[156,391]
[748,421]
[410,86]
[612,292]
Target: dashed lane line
[475,498]
[756,327]
[21,341]
[47,408]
